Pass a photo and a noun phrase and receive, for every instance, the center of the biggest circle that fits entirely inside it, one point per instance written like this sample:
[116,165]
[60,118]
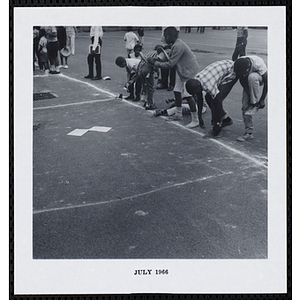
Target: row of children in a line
[216,80]
[52,43]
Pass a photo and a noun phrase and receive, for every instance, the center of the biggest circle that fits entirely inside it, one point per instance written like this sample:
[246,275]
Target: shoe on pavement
[136,99]
[159,112]
[227,122]
[193,124]
[88,76]
[175,118]
[150,107]
[130,97]
[66,66]
[245,137]
[213,134]
[97,78]
[251,111]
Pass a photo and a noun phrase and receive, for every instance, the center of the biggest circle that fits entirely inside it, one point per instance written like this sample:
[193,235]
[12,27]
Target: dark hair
[171,31]
[192,86]
[241,65]
[137,47]
[120,61]
[129,28]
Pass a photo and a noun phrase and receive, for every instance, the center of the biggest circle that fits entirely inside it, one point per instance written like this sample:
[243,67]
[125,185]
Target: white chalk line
[73,104]
[86,83]
[243,154]
[130,197]
[215,140]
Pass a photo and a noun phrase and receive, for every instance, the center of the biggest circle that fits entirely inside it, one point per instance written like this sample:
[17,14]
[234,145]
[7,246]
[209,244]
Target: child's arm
[132,80]
[176,55]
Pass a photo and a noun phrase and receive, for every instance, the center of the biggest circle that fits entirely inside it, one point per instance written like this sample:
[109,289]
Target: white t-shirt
[258,65]
[132,64]
[131,40]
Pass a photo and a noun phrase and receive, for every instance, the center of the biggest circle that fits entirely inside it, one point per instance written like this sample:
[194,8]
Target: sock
[178,111]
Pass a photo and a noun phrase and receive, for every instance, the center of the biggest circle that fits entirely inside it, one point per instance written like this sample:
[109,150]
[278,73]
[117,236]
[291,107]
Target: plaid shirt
[216,74]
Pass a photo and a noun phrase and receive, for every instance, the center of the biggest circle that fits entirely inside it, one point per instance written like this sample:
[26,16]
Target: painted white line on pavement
[72,104]
[243,154]
[130,197]
[86,83]
[215,140]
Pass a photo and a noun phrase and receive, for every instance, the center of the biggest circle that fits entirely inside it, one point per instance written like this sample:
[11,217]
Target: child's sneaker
[245,137]
[251,111]
[150,107]
[175,117]
[159,112]
[227,122]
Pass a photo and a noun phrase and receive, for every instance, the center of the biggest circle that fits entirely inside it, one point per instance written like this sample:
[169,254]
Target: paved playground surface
[135,186]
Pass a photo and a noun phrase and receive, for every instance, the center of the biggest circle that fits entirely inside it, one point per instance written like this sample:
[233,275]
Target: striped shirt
[145,58]
[216,74]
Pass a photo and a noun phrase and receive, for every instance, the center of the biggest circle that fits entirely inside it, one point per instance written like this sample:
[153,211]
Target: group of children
[215,81]
[52,46]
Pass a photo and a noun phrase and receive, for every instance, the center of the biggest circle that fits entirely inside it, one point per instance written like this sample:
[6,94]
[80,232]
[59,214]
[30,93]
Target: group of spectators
[51,47]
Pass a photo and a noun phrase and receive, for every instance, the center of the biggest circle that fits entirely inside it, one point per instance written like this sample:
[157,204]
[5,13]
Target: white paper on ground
[100,128]
[78,132]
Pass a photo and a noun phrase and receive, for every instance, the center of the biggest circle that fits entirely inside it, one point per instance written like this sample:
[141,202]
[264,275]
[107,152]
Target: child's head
[137,49]
[193,86]
[242,66]
[121,62]
[129,28]
[171,35]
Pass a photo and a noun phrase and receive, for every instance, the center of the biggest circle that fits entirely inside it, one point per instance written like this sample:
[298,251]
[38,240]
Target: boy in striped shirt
[145,72]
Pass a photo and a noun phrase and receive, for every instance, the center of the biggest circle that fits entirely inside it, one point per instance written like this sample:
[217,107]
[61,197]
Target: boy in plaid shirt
[216,80]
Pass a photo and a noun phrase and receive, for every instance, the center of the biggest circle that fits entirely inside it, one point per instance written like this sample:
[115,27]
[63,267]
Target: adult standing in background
[52,47]
[96,34]
[241,42]
[62,41]
[71,35]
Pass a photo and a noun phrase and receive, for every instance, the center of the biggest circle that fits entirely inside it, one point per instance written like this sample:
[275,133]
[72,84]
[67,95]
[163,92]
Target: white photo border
[48,277]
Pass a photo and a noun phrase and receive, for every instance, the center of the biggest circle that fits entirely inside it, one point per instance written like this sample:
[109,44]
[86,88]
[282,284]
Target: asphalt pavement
[145,187]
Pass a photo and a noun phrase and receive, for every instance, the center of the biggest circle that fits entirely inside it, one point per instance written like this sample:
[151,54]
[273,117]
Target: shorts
[180,87]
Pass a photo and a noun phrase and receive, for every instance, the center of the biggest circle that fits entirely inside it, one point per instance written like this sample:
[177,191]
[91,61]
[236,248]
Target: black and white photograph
[148,157]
